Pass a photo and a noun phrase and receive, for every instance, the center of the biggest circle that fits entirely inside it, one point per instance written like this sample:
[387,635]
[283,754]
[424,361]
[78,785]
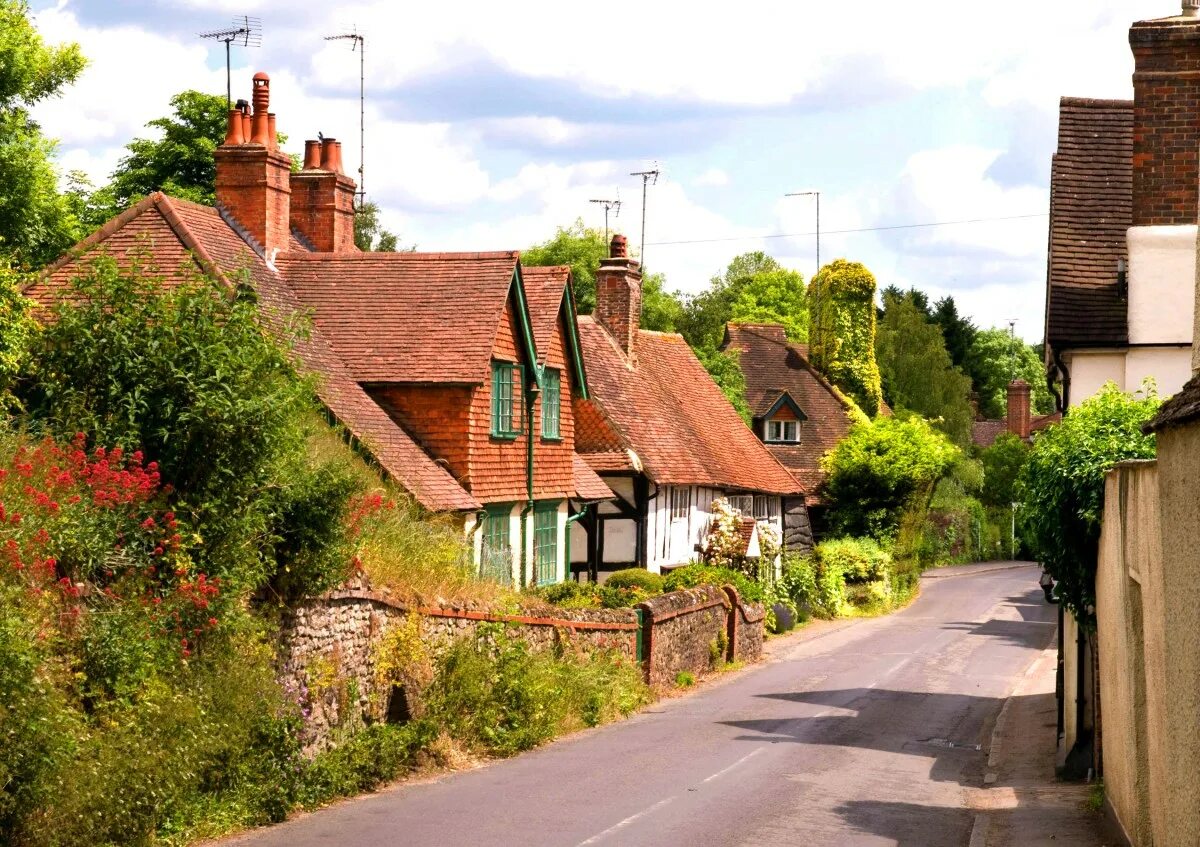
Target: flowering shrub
[724,546]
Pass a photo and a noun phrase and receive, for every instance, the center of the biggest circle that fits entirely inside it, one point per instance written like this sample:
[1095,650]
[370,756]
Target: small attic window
[783,432]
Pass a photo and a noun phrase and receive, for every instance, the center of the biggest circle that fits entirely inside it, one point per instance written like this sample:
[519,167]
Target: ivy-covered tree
[996,359]
[841,303]
[881,467]
[1061,487]
[36,221]
[916,370]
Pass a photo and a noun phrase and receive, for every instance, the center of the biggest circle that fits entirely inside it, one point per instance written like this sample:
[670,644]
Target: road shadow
[910,824]
[1034,635]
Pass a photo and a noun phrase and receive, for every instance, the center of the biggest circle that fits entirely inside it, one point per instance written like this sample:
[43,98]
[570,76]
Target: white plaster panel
[1162,284]
[1170,367]
[619,540]
[1091,369]
[579,546]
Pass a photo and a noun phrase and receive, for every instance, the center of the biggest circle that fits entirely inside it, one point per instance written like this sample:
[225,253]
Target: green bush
[639,578]
[690,576]
[685,679]
[857,559]
[371,757]
[570,594]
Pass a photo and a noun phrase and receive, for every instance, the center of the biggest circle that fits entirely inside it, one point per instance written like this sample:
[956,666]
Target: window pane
[680,502]
[496,556]
[551,405]
[789,431]
[545,544]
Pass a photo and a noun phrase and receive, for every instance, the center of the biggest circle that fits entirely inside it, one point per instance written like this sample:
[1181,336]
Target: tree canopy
[36,221]
[916,370]
[841,302]
[582,248]
[994,360]
[1061,487]
[754,288]
[879,468]
[369,234]
[1002,464]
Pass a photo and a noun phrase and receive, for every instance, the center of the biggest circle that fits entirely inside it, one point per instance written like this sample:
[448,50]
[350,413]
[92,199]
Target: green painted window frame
[495,551]
[545,542]
[508,383]
[551,405]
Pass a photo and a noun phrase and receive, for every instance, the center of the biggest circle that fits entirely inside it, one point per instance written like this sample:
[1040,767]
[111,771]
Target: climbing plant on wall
[842,330]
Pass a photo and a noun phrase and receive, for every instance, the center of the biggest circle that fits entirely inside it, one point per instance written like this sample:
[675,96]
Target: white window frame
[766,507]
[777,431]
[744,503]
[681,502]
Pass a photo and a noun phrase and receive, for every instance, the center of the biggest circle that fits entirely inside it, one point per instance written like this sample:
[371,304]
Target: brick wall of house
[437,416]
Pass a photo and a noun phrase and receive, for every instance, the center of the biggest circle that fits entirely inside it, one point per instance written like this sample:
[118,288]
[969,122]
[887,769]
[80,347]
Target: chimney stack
[1166,131]
[619,295]
[1019,421]
[252,174]
[323,199]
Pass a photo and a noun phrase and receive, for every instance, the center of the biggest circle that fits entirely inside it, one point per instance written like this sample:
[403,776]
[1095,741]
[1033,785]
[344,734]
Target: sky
[489,125]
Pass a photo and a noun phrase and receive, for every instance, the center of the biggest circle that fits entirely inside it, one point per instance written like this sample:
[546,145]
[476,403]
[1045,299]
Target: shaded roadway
[871,734]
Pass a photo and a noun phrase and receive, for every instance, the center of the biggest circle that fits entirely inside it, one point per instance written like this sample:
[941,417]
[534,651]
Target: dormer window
[783,432]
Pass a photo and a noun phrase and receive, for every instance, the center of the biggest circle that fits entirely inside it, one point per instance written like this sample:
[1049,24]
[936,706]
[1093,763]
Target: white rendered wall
[1091,369]
[1162,285]
[1170,367]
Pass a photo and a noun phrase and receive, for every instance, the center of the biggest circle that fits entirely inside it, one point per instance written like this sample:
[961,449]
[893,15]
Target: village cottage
[454,372]
[663,437]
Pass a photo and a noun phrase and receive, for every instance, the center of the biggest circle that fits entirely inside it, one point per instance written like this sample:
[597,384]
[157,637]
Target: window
[680,502]
[496,556]
[506,399]
[744,503]
[783,431]
[765,508]
[551,387]
[545,542]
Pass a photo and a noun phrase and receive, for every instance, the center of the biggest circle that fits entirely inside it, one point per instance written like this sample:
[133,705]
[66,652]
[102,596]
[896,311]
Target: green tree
[916,370]
[957,331]
[754,288]
[1061,487]
[17,330]
[36,221]
[879,468]
[1002,464]
[726,371]
[580,247]
[661,310]
[994,360]
[369,234]
[841,302]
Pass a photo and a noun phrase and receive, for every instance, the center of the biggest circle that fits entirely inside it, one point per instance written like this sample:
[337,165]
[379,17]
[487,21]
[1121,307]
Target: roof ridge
[406,256]
[1095,103]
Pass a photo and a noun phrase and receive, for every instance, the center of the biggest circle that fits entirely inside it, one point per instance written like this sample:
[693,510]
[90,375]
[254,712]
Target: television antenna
[615,206]
[1012,348]
[246,32]
[358,41]
[647,177]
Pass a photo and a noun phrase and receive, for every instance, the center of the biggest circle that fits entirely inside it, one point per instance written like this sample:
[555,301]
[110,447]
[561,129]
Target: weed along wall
[358,656]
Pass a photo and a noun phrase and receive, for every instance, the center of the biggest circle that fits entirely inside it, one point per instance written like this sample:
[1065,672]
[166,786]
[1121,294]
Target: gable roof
[775,367]
[550,295]
[410,317]
[1091,207]
[670,414]
[171,233]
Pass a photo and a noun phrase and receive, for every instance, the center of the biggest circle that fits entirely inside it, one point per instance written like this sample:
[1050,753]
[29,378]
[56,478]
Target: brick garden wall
[328,645]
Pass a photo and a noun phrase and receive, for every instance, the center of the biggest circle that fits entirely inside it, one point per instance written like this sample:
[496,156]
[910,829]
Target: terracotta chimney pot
[233,135]
[273,144]
[312,155]
[247,126]
[619,248]
[331,155]
[262,105]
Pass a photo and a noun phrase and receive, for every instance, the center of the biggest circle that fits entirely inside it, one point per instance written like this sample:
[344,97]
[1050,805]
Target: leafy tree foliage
[36,222]
[994,360]
[878,468]
[369,234]
[841,301]
[582,248]
[1061,487]
[726,371]
[916,370]
[957,331]
[17,328]
[1002,464]
[754,288]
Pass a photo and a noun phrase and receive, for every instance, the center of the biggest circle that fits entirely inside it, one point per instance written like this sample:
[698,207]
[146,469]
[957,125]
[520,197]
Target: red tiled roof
[673,416]
[773,365]
[985,433]
[217,246]
[589,486]
[406,317]
[1091,207]
[544,290]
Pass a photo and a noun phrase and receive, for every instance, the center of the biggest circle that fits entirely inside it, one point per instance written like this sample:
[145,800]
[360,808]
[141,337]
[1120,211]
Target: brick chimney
[252,173]
[323,199]
[1019,422]
[619,295]
[1166,119]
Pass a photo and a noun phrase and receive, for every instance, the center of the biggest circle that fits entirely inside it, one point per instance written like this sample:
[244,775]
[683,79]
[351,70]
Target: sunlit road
[874,734]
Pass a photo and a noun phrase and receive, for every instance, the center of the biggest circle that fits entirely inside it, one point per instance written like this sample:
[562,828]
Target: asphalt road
[872,734]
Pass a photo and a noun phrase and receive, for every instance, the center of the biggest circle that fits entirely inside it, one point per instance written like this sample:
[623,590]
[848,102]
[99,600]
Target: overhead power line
[847,231]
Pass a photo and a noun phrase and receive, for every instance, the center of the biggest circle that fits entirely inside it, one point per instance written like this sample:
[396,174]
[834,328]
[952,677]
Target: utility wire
[845,231]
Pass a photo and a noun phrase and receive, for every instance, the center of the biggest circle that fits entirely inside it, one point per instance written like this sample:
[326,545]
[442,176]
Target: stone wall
[330,646]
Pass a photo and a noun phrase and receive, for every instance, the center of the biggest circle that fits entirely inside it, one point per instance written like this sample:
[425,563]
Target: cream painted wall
[1162,284]
[1091,369]
[1170,368]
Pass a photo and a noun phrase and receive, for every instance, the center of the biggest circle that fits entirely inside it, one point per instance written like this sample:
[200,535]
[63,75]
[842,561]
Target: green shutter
[496,556]
[551,404]
[545,542]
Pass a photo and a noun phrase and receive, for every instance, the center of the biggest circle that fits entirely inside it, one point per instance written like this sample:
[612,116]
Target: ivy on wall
[842,331]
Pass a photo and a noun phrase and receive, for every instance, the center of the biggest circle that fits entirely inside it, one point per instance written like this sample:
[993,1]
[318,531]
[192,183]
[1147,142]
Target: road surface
[872,734]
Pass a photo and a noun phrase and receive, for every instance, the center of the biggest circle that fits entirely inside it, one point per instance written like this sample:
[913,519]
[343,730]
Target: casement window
[551,403]
[545,542]
[765,508]
[744,503]
[681,502]
[785,432]
[496,555]
[506,399]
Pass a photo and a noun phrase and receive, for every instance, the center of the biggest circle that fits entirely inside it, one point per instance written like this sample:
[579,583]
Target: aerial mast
[358,42]
[246,32]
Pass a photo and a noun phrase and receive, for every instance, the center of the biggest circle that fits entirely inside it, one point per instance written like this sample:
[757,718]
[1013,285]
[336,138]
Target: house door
[681,508]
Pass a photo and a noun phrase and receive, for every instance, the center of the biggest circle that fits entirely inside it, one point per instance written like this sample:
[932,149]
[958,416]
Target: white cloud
[713,177]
